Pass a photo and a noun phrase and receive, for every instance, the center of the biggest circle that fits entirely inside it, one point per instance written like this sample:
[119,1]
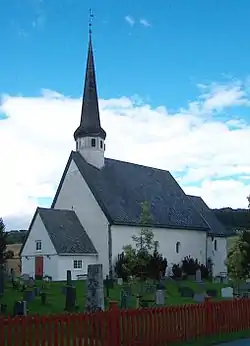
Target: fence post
[115,324]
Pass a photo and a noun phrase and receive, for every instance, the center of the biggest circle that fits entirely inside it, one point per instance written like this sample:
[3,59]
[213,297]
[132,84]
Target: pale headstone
[120,281]
[227,292]
[186,292]
[198,275]
[95,290]
[160,297]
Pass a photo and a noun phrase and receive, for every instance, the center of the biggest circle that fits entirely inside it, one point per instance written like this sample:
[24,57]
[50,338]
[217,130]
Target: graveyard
[46,297]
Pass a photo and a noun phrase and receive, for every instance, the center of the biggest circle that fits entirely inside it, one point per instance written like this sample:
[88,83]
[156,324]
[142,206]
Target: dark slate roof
[90,124]
[216,227]
[120,188]
[65,231]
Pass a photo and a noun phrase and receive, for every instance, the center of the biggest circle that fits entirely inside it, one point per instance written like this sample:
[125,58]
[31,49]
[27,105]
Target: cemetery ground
[55,299]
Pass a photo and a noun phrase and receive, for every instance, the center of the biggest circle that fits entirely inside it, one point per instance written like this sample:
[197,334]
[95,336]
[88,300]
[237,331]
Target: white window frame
[77,264]
[38,248]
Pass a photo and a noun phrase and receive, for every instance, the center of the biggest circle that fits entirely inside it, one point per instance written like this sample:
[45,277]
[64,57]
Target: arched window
[177,247]
[101,144]
[215,245]
[93,142]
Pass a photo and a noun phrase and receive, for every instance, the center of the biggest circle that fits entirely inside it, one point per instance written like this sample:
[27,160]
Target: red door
[38,267]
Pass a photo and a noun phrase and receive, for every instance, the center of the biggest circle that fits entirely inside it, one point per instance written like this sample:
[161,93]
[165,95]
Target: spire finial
[91,16]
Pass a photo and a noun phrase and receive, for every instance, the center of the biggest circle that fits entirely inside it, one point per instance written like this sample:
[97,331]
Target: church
[97,206]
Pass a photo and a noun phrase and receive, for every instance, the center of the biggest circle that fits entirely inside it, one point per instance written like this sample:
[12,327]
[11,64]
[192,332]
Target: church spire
[90,124]
[89,135]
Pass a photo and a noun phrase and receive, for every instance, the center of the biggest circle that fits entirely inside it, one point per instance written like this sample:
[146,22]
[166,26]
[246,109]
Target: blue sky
[44,45]
[178,72]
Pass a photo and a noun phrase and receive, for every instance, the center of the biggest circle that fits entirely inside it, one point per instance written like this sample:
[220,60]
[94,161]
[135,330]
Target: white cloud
[209,157]
[130,20]
[145,22]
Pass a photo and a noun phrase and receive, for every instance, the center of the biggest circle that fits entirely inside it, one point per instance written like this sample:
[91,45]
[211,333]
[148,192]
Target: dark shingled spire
[90,124]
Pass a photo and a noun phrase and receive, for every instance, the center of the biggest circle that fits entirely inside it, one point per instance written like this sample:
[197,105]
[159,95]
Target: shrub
[157,265]
[177,271]
[189,265]
[121,267]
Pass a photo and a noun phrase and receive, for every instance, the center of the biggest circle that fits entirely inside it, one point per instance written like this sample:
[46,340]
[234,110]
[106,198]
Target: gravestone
[1,281]
[125,296]
[28,296]
[186,292]
[198,275]
[20,308]
[37,291]
[225,280]
[199,297]
[95,294]
[227,292]
[212,293]
[120,281]
[69,278]
[107,285]
[160,297]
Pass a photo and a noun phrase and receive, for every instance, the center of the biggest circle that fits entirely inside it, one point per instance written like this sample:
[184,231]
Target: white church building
[97,206]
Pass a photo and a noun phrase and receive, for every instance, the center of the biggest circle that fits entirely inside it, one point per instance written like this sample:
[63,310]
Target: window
[101,144]
[77,264]
[38,245]
[93,142]
[177,247]
[215,245]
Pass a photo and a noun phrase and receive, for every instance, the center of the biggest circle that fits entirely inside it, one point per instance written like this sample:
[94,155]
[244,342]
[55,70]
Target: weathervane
[91,16]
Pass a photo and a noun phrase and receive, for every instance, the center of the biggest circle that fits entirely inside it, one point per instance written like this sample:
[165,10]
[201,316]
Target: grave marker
[199,297]
[212,293]
[95,294]
[20,308]
[160,297]
[227,292]
[186,292]
[198,275]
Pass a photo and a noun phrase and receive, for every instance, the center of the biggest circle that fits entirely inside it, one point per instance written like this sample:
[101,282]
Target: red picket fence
[142,327]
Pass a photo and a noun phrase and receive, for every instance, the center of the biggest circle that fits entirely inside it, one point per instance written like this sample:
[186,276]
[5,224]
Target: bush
[189,265]
[121,267]
[157,265]
[177,271]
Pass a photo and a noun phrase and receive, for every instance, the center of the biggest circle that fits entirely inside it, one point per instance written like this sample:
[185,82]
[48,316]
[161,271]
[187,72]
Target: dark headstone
[1,281]
[63,290]
[212,293]
[43,298]
[186,292]
[95,293]
[199,297]
[69,278]
[70,303]
[28,296]
[37,291]
[20,308]
[107,285]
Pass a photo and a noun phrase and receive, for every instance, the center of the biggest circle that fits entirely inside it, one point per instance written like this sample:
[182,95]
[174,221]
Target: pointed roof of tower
[90,124]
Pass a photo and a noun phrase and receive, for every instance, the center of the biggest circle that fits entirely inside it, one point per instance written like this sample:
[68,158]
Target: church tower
[90,136]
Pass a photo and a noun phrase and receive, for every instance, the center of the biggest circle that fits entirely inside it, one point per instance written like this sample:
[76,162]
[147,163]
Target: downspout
[110,251]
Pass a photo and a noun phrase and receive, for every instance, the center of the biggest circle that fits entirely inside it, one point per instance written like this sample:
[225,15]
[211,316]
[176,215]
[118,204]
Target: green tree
[3,242]
[144,242]
[236,260]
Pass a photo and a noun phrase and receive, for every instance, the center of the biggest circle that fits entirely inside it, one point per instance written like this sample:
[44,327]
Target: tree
[236,260]
[3,242]
[144,242]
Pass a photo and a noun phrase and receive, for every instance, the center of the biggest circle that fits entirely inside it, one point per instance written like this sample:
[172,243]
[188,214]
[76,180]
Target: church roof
[65,231]
[120,188]
[90,124]
[216,227]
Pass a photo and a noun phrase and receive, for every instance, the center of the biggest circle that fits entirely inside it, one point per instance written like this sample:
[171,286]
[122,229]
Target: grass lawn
[56,300]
